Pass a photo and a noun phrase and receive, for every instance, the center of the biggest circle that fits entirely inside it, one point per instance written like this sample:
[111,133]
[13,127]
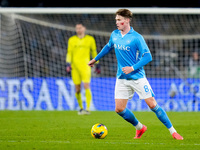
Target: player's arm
[146,56]
[144,50]
[94,54]
[107,48]
[93,48]
[103,52]
[69,56]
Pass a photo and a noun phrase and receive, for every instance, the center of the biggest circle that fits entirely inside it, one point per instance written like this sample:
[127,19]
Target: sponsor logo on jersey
[122,47]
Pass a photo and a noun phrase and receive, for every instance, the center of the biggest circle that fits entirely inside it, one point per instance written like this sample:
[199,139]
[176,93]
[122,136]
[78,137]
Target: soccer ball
[99,131]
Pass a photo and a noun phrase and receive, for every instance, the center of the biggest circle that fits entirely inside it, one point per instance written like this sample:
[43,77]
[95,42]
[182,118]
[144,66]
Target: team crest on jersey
[128,41]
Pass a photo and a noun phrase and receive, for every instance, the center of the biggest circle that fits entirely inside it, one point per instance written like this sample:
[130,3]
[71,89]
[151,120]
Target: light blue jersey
[131,50]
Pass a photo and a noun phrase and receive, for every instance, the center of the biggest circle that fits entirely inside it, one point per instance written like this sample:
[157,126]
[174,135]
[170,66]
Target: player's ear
[127,19]
[84,27]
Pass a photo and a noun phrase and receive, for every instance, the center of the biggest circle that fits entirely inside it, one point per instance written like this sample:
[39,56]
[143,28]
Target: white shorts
[125,89]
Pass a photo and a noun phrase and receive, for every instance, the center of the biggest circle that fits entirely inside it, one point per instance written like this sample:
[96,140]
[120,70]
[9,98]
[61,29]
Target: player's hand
[68,67]
[92,62]
[98,69]
[127,70]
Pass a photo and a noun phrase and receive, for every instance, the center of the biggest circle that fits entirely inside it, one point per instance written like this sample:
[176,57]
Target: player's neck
[125,30]
[81,35]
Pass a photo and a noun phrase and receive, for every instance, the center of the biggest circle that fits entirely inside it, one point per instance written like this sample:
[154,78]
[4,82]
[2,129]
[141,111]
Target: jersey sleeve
[144,52]
[69,51]
[141,45]
[110,43]
[93,48]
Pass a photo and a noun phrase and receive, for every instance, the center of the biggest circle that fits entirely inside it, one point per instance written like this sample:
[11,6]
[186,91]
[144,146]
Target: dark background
[99,3]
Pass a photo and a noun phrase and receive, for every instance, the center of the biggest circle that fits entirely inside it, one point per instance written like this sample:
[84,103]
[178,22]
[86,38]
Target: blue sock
[129,116]
[162,116]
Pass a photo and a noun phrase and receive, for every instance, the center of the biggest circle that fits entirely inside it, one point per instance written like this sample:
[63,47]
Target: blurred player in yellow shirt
[80,48]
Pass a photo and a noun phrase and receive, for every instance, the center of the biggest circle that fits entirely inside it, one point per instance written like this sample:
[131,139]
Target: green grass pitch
[67,130]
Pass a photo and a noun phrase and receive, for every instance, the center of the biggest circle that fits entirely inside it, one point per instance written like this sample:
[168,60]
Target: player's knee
[78,90]
[119,109]
[86,85]
[151,102]
[152,105]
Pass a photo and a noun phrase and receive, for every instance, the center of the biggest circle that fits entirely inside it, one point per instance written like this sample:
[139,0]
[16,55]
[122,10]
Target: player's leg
[120,109]
[78,95]
[122,94]
[145,92]
[160,113]
[86,78]
[77,81]
[88,95]
[79,99]
[162,116]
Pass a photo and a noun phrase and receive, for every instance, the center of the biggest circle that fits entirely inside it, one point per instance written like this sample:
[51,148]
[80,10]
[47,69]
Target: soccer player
[132,54]
[80,48]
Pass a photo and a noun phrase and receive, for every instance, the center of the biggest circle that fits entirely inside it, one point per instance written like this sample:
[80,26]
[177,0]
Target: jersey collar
[131,31]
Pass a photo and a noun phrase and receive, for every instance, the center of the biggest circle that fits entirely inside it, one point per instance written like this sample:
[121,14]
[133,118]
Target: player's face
[80,29]
[121,22]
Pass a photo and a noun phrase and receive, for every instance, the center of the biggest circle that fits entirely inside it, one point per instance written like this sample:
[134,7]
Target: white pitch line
[26,141]
[184,144]
[68,142]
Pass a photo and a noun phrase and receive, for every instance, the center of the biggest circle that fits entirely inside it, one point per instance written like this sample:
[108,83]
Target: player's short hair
[125,13]
[81,22]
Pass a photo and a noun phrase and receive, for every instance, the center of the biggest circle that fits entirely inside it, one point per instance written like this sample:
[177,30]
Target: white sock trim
[172,130]
[139,126]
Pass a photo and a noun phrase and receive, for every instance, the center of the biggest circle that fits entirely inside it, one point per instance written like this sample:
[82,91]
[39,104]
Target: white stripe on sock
[172,130]
[139,126]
